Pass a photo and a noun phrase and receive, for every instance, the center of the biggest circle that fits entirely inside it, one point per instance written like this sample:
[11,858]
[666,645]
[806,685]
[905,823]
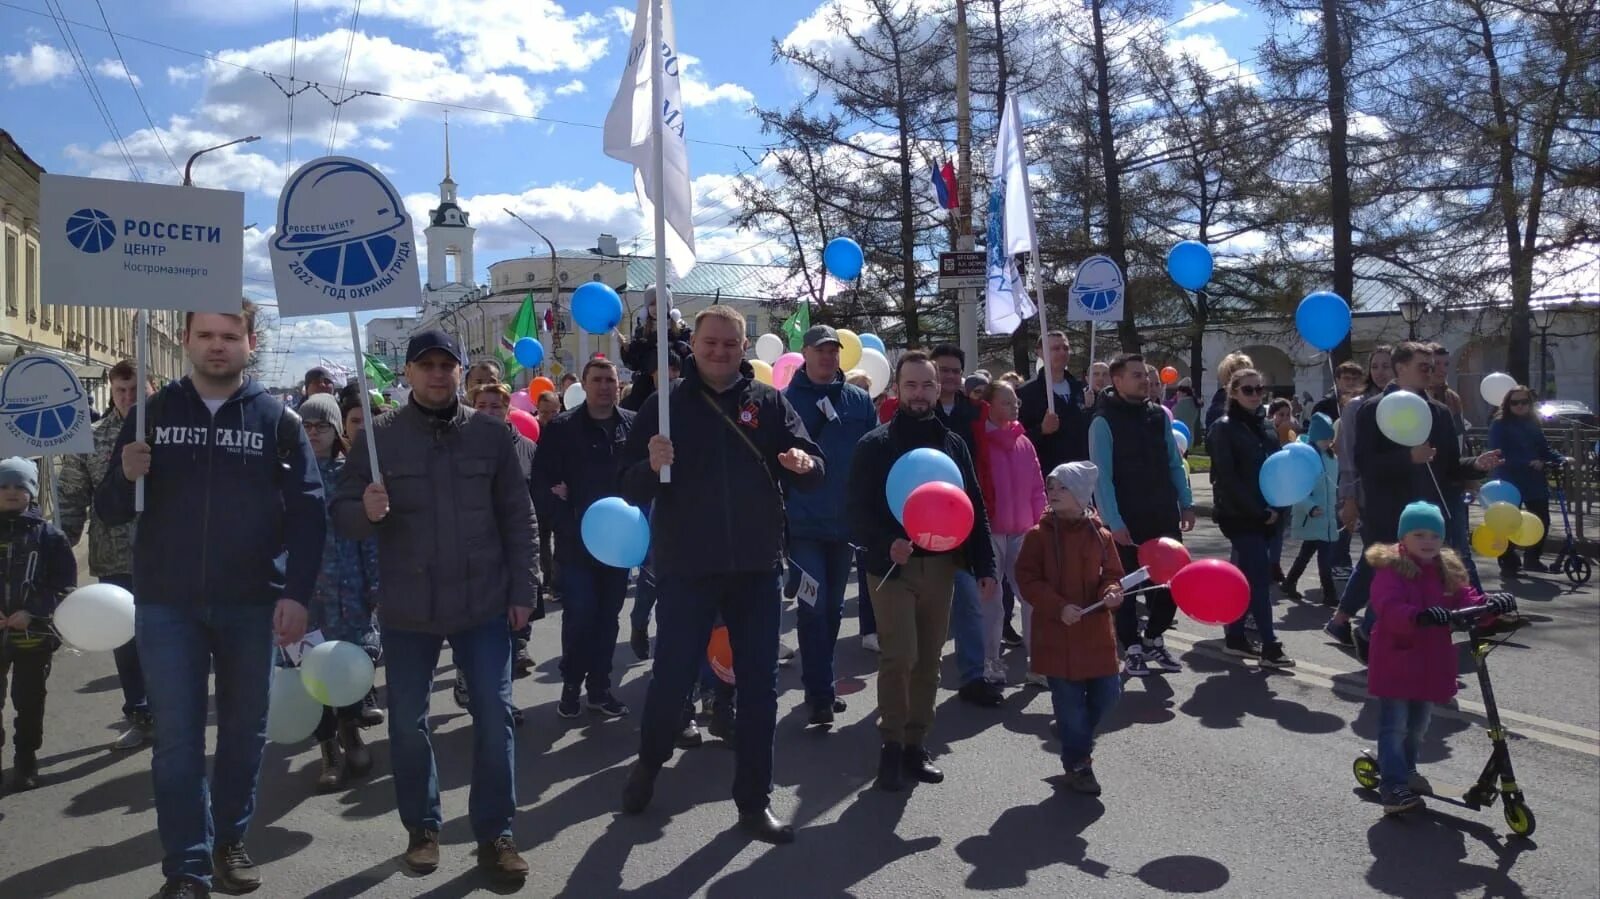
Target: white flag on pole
[1010,228]
[630,138]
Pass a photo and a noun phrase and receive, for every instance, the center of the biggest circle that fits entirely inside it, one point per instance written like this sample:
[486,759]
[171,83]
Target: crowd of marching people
[441,521]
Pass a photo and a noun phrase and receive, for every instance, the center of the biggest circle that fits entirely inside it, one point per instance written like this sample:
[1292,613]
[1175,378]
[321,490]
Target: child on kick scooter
[1412,662]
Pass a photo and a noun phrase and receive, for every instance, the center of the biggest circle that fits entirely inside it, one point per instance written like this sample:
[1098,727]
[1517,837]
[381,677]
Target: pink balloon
[1166,410]
[526,424]
[783,370]
[1211,591]
[521,400]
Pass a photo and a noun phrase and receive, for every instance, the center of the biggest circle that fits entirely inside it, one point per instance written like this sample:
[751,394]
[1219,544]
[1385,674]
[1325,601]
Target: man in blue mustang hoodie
[836,415]
[717,535]
[225,557]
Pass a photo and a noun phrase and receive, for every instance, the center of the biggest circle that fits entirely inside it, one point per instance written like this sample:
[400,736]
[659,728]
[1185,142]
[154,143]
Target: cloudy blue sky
[526,83]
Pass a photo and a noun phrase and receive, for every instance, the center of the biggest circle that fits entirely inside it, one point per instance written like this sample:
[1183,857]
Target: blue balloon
[843,258]
[918,467]
[1284,480]
[874,342]
[1306,456]
[1499,492]
[1189,263]
[1323,320]
[616,533]
[1183,429]
[529,352]
[596,308]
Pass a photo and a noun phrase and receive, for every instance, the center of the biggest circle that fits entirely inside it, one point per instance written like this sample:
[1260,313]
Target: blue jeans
[1252,553]
[483,656]
[966,626]
[1459,537]
[828,561]
[1401,726]
[1080,706]
[1359,588]
[864,617]
[180,647]
[644,597]
[592,597]
[130,674]
[686,609]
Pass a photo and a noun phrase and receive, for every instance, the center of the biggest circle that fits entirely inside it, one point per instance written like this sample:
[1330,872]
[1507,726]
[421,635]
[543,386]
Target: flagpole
[366,401]
[658,169]
[141,350]
[1033,256]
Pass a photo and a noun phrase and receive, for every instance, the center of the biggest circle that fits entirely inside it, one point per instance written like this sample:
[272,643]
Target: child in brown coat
[1067,564]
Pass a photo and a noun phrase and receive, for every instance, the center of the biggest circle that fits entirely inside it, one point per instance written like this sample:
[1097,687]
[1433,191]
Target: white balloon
[879,371]
[292,714]
[675,315]
[1182,441]
[769,347]
[1495,386]
[336,673]
[96,618]
[1405,418]
[574,396]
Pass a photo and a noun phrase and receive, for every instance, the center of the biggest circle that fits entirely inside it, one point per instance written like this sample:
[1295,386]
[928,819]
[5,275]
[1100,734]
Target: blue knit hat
[1321,428]
[19,472]
[1421,516]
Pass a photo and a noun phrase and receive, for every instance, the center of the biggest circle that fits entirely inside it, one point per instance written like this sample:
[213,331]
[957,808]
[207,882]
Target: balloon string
[886,574]
[1443,504]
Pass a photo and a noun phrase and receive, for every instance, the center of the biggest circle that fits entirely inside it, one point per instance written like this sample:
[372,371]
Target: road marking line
[1588,741]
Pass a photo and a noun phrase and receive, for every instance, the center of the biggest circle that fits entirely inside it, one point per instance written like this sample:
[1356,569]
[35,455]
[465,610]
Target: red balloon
[938,516]
[719,652]
[1211,591]
[526,425]
[1169,375]
[1165,557]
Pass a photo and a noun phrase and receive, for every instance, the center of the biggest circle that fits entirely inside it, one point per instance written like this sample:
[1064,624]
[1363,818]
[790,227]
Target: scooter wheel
[1366,772]
[1578,569]
[1519,818]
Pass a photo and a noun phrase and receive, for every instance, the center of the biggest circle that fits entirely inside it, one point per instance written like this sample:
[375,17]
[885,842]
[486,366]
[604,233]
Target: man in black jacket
[912,588]
[1063,435]
[717,536]
[577,465]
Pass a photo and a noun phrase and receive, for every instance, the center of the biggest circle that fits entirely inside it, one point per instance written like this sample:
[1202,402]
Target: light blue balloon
[1284,480]
[1189,264]
[596,308]
[1323,320]
[1499,492]
[918,467]
[616,533]
[529,352]
[843,258]
[1306,456]
[1183,429]
[874,342]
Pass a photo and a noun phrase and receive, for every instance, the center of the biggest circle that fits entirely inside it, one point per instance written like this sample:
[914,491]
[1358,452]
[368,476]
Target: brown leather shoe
[422,852]
[501,861]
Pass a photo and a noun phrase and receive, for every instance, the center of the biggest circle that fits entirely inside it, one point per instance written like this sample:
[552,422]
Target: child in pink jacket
[1013,495]
[1412,661]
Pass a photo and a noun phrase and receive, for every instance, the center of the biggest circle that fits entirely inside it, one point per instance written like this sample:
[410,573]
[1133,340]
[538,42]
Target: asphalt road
[1224,779]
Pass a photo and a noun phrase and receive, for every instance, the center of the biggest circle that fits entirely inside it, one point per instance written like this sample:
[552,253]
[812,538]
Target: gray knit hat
[1079,478]
[322,407]
[19,472]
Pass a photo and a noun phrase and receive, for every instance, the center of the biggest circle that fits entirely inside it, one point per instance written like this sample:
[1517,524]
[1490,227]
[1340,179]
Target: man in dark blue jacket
[717,534]
[225,556]
[836,415]
[577,465]
[1063,435]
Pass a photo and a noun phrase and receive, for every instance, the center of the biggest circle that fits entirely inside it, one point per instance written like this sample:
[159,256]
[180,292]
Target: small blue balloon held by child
[1412,664]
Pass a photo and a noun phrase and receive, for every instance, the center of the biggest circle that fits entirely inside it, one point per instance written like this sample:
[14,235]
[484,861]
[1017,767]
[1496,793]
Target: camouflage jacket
[110,548]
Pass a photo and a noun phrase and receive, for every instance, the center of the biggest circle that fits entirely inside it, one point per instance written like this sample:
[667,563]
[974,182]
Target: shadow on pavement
[103,684]
[1231,692]
[1424,855]
[1003,858]
[1184,874]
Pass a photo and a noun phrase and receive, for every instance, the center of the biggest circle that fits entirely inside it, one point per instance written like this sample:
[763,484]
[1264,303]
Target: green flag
[524,324]
[795,326]
[379,375]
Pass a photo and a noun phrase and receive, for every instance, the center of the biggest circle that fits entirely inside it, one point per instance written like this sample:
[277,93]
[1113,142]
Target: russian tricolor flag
[945,186]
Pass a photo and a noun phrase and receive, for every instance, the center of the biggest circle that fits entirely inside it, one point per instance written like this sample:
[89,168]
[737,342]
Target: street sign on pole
[962,271]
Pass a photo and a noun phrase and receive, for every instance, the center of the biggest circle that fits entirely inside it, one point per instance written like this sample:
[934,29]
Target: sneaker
[1081,779]
[1241,646]
[606,704]
[500,860]
[981,692]
[422,851]
[1036,680]
[371,715]
[568,706]
[994,672]
[722,723]
[1418,784]
[690,737]
[1010,637]
[1133,663]
[1342,574]
[184,888]
[639,642]
[1289,590]
[521,662]
[870,643]
[1273,656]
[1400,801]
[460,693]
[233,870]
[1339,631]
[821,714]
[140,729]
[1155,653]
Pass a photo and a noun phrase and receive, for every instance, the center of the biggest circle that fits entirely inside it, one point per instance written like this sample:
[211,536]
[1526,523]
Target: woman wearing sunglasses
[1527,456]
[1239,443]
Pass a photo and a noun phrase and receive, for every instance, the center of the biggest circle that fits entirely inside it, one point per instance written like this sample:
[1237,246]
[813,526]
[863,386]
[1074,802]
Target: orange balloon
[719,652]
[539,386]
[1169,375]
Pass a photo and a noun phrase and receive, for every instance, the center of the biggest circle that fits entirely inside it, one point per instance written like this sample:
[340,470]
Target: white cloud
[42,64]
[1209,53]
[233,168]
[1206,12]
[379,144]
[575,86]
[698,93]
[113,68]
[182,74]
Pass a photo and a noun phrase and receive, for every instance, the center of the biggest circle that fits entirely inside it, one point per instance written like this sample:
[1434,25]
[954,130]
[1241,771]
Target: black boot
[332,776]
[919,766]
[766,827]
[891,765]
[25,774]
[357,757]
[723,720]
[640,788]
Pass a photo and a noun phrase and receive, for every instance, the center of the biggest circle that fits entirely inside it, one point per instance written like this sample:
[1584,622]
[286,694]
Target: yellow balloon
[1502,518]
[849,349]
[1488,543]
[763,371]
[1531,532]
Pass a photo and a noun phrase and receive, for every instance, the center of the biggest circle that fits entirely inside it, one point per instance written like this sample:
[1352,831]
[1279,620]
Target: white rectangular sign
[127,245]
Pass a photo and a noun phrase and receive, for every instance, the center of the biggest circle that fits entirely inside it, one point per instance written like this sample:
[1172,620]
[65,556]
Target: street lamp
[188,181]
[1411,310]
[555,285]
[1543,318]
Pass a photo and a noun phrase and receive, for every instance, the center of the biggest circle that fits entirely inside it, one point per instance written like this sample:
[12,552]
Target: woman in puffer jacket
[1013,494]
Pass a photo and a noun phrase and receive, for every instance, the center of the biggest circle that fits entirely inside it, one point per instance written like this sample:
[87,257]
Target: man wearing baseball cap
[456,530]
